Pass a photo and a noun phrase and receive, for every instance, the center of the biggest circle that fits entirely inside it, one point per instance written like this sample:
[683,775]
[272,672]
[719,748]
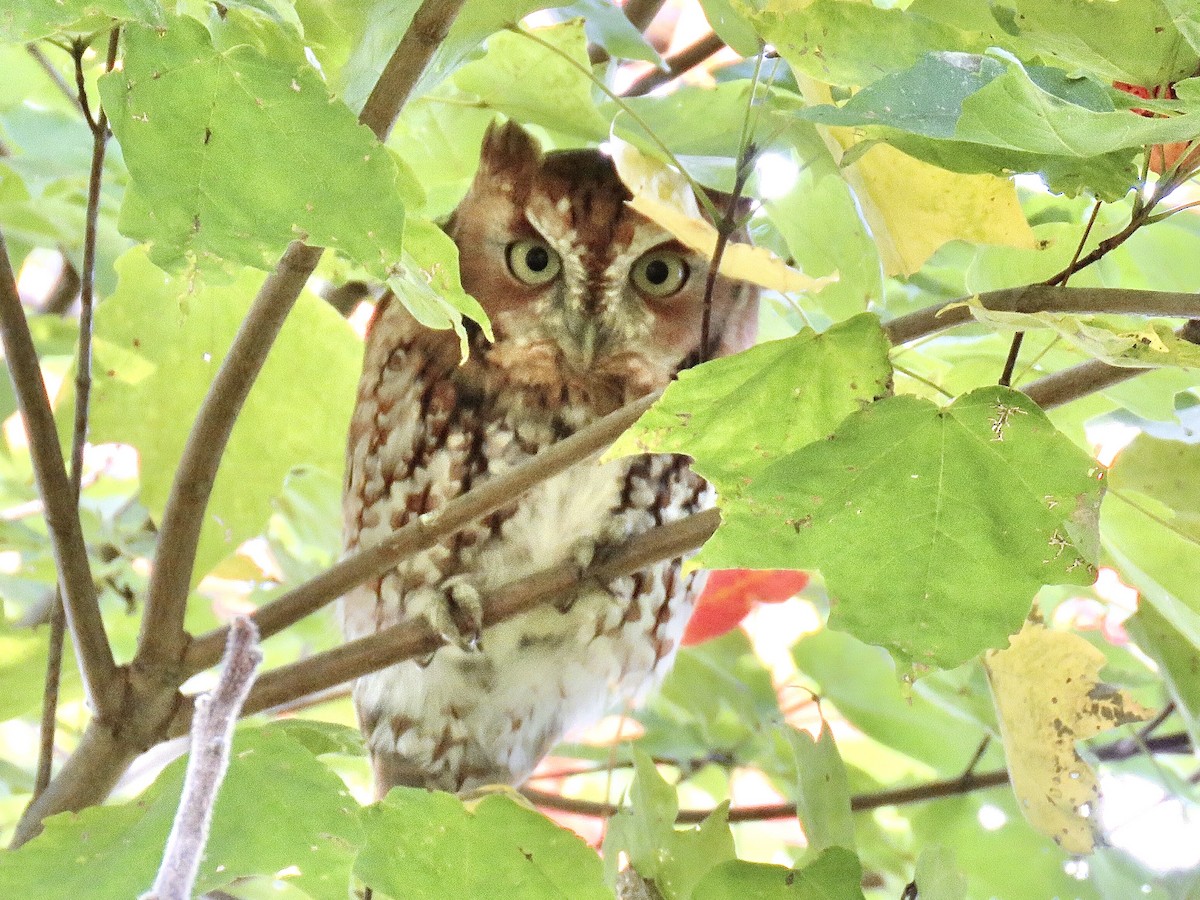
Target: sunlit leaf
[734,416]
[193,120]
[1048,693]
[664,196]
[524,80]
[835,873]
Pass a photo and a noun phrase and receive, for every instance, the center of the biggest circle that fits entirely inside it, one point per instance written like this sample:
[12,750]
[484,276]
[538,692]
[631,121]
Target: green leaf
[819,221]
[969,508]
[726,19]
[1118,343]
[1129,40]
[736,415]
[1185,16]
[29,20]
[835,873]
[1168,471]
[644,831]
[114,851]
[428,283]
[936,876]
[997,102]
[23,670]
[530,83]
[427,844]
[823,795]
[852,44]
[193,121]
[1177,658]
[159,343]
[718,698]
[607,26]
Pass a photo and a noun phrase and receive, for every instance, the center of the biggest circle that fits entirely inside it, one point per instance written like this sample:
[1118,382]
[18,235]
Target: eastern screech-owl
[592,305]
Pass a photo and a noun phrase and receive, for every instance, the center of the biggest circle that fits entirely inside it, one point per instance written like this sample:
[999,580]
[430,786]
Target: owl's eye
[533,262]
[659,273]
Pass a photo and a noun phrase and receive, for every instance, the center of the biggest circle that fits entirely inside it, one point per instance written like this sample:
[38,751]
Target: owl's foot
[457,614]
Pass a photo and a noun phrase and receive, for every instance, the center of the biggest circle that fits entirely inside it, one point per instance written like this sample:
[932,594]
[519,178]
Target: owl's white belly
[489,715]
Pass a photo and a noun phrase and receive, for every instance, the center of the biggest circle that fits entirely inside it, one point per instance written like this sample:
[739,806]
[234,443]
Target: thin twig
[216,715]
[676,64]
[934,790]
[413,639]
[62,518]
[424,532]
[1019,338]
[52,73]
[162,639]
[83,390]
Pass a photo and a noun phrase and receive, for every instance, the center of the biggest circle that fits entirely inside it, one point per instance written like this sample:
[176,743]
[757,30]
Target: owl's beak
[582,341]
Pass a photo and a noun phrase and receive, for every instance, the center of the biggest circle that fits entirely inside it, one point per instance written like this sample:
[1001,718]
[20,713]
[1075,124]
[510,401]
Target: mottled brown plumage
[587,314]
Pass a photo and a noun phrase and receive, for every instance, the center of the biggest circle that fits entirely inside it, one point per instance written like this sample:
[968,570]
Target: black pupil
[537,259]
[657,271]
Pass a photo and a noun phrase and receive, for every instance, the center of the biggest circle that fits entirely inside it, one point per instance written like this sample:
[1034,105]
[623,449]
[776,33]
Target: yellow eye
[533,262]
[659,273]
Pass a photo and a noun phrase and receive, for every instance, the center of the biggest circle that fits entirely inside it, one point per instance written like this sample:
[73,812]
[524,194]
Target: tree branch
[83,390]
[677,64]
[934,790]
[150,698]
[414,638]
[162,639]
[1094,375]
[425,532]
[1043,298]
[217,713]
[62,517]
[428,29]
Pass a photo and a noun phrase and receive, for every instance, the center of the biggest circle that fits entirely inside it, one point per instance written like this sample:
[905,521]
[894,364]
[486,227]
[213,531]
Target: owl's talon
[457,616]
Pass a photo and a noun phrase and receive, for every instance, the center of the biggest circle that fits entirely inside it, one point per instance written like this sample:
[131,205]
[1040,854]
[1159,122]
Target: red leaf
[731,593]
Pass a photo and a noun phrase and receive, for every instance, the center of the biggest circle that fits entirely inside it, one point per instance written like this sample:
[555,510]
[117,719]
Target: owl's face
[589,300]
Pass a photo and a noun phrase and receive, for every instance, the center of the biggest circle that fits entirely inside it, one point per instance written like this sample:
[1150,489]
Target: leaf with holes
[969,509]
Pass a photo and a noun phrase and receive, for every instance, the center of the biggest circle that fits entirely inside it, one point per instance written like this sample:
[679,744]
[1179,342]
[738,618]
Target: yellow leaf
[913,207]
[1048,695]
[664,196]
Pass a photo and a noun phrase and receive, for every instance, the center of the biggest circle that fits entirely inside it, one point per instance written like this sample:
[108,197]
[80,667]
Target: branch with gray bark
[217,713]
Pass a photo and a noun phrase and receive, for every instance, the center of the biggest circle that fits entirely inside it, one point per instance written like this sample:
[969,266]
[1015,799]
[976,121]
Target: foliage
[924,153]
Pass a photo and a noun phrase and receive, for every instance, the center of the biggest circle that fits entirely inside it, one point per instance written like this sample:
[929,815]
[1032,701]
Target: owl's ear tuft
[508,148]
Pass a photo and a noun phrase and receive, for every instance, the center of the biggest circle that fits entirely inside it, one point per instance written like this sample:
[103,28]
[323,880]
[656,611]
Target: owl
[592,306]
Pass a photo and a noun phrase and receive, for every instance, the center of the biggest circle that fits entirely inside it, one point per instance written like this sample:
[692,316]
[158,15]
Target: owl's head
[588,299]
